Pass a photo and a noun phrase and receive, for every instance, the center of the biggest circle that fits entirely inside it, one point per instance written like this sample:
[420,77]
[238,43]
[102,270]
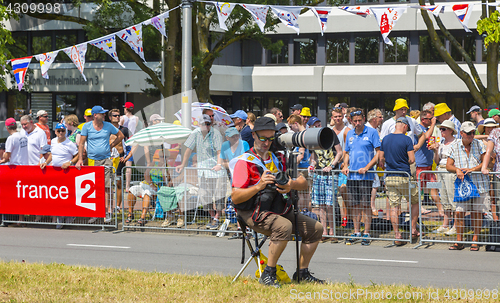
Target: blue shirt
[396,148]
[98,141]
[227,154]
[361,149]
[304,163]
[246,135]
[424,157]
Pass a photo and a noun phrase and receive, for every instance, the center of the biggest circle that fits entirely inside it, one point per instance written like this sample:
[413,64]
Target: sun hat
[488,122]
[269,115]
[306,112]
[448,124]
[264,123]
[400,103]
[440,109]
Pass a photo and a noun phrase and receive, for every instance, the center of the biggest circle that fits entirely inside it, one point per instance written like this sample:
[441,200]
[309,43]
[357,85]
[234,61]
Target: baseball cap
[403,120]
[493,112]
[88,112]
[231,132]
[467,126]
[264,123]
[155,117]
[475,108]
[296,107]
[60,126]
[239,114]
[204,119]
[41,113]
[129,105]
[312,120]
[280,126]
[2,145]
[10,122]
[344,105]
[400,103]
[98,110]
[45,149]
[493,106]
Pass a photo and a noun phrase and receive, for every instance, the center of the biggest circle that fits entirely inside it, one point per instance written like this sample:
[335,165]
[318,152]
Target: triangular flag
[358,10]
[435,9]
[322,14]
[463,12]
[258,12]
[77,54]
[158,22]
[133,37]
[19,67]
[386,19]
[46,59]
[288,15]
[224,9]
[108,45]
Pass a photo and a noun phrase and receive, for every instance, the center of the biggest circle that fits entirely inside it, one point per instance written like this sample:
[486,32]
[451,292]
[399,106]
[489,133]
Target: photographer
[260,203]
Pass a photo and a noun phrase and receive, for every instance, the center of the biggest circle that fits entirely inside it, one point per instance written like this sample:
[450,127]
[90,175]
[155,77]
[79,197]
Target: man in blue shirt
[96,134]
[361,148]
[397,154]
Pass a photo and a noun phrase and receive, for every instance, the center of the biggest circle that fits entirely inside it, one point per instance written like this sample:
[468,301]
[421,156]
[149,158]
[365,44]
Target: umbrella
[197,108]
[158,134]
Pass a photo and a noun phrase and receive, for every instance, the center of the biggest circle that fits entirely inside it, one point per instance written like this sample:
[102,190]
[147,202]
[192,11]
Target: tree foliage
[5,40]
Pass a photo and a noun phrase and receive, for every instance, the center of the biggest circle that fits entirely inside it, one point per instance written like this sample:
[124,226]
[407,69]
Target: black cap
[280,126]
[2,145]
[344,105]
[264,123]
[493,106]
[296,107]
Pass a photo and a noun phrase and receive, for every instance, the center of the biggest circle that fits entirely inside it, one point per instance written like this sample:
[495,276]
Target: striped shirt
[458,125]
[462,160]
[206,151]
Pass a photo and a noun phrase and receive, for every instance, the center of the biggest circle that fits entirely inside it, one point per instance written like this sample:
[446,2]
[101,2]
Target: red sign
[29,190]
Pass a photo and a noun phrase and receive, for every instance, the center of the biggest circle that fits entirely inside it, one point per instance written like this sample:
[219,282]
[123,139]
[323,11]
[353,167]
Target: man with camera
[260,202]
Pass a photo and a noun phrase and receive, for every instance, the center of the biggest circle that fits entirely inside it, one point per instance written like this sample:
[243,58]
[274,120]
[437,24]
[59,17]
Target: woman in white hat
[447,191]
[485,129]
[492,156]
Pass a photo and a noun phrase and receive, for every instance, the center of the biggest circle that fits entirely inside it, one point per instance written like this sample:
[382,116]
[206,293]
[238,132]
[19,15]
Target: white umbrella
[197,108]
[158,134]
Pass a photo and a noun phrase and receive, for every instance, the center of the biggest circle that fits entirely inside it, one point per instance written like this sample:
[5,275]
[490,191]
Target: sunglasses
[60,130]
[264,139]
[208,124]
[443,129]
[470,133]
[44,116]
[115,115]
[211,116]
[356,113]
[425,118]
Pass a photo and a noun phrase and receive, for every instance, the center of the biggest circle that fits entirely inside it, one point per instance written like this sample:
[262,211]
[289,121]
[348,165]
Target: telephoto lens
[312,138]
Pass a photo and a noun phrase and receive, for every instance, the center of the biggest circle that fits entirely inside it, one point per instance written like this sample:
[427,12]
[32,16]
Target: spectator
[430,107]
[495,114]
[87,117]
[492,155]
[2,150]
[443,112]
[131,122]
[415,114]
[43,119]
[63,153]
[269,115]
[305,114]
[207,143]
[120,160]
[314,122]
[44,154]
[16,146]
[72,125]
[362,146]
[375,119]
[239,117]
[484,129]
[96,134]
[344,108]
[281,127]
[396,154]
[296,125]
[466,156]
[217,125]
[233,147]
[36,138]
[296,109]
[476,115]
[246,132]
[400,109]
[277,113]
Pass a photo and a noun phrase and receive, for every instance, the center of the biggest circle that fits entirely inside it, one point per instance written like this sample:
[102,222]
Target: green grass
[23,282]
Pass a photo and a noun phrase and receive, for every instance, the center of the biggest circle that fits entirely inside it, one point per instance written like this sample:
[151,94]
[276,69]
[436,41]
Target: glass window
[367,103]
[20,47]
[279,102]
[469,44]
[41,44]
[280,57]
[427,51]
[251,53]
[398,52]
[17,103]
[337,50]
[65,105]
[366,1]
[304,51]
[252,104]
[311,102]
[334,100]
[63,41]
[366,49]
[460,105]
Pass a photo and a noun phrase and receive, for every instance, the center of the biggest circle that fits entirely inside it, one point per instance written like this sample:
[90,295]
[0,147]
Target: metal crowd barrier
[440,224]
[110,221]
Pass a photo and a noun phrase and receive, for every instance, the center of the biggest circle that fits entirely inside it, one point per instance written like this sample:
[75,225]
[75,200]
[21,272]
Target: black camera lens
[281,178]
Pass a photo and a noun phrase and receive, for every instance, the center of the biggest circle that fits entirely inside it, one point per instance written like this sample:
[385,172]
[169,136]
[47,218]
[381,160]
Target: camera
[281,178]
[312,138]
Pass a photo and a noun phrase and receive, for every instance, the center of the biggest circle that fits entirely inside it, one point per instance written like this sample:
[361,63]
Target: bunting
[288,15]
[434,9]
[20,67]
[108,45]
[133,37]
[386,19]
[322,14]
[158,22]
[362,11]
[46,59]
[77,54]
[463,12]
[258,12]
[224,9]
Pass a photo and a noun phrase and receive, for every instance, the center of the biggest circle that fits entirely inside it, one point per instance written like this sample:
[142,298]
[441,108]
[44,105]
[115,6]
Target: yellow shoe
[180,223]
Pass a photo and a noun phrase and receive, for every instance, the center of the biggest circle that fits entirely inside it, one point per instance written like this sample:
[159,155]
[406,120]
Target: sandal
[456,246]
[474,247]
[130,218]
[142,222]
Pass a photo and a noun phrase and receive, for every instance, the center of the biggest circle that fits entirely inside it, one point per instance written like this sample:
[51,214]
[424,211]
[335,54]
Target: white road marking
[377,260]
[100,246]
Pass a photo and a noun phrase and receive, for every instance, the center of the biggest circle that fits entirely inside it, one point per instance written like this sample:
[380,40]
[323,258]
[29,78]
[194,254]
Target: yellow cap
[88,112]
[306,112]
[441,108]
[177,122]
[400,103]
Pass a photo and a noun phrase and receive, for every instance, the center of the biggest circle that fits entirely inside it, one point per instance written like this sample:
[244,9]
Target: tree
[5,40]
[484,95]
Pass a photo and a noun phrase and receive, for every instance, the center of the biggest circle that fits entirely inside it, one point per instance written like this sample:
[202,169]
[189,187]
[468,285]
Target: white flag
[46,59]
[434,9]
[322,14]
[158,22]
[77,54]
[224,9]
[362,11]
[258,12]
[386,19]
[463,12]
[133,37]
[108,45]
[288,15]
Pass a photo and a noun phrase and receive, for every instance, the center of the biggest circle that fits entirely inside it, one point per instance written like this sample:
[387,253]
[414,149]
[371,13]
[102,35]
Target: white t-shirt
[17,146]
[444,151]
[36,140]
[389,127]
[130,123]
[62,152]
